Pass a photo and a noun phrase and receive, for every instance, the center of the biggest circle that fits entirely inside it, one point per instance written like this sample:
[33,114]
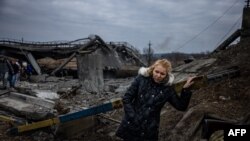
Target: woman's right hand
[189,82]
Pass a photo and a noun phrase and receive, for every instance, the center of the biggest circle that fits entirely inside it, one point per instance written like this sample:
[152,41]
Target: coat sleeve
[180,102]
[129,97]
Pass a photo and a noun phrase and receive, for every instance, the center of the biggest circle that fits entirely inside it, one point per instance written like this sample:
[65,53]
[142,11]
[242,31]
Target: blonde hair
[163,62]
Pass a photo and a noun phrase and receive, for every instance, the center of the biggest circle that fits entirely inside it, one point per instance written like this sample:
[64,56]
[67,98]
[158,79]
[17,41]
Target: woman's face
[159,73]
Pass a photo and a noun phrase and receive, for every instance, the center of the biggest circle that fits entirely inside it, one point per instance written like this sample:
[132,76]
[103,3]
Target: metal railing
[63,44]
[125,44]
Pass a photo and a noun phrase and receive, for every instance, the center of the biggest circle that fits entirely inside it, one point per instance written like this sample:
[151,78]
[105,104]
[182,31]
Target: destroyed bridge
[125,53]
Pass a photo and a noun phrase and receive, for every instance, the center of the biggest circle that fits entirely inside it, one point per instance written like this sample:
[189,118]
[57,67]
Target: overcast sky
[168,24]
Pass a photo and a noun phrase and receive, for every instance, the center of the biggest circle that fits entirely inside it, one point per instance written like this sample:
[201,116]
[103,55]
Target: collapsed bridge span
[32,51]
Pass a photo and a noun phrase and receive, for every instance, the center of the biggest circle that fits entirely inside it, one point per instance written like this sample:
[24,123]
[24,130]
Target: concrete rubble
[77,84]
[69,97]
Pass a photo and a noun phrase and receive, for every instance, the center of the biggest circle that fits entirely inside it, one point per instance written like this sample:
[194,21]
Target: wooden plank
[86,112]
[37,125]
[15,121]
[109,106]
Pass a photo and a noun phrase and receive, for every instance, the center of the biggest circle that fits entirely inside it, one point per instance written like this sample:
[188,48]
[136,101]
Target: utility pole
[247,1]
[149,53]
[245,26]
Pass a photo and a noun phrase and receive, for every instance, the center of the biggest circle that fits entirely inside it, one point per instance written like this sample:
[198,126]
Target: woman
[145,98]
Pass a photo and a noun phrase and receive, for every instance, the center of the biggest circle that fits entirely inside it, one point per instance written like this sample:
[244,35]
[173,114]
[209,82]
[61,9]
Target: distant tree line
[177,58]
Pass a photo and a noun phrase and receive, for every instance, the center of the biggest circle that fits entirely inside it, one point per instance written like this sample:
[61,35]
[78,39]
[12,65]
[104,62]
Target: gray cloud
[167,24]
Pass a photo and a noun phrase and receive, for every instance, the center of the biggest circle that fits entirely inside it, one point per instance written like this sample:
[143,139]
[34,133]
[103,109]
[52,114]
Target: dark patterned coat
[143,102]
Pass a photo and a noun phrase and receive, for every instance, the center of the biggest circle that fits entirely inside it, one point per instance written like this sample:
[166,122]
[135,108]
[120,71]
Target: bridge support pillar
[33,62]
[90,72]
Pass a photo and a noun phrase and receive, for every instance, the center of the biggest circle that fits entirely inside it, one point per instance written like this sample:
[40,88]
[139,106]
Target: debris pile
[45,107]
[227,99]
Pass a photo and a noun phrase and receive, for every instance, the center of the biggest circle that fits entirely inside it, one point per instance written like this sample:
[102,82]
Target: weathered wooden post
[90,72]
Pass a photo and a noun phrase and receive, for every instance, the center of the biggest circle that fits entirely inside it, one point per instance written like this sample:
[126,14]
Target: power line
[206,28]
[232,27]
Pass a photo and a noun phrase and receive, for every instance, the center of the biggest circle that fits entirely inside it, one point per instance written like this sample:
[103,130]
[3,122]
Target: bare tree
[148,52]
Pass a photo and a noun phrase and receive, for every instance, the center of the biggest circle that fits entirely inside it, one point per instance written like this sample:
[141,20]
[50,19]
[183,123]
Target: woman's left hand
[189,82]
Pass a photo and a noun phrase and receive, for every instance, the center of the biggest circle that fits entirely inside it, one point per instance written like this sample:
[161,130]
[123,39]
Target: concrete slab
[193,68]
[27,106]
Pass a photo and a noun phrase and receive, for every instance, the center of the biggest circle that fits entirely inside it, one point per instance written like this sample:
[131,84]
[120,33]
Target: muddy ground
[228,99]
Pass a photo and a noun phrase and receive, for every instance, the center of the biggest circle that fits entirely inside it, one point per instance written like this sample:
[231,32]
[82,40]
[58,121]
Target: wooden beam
[109,106]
